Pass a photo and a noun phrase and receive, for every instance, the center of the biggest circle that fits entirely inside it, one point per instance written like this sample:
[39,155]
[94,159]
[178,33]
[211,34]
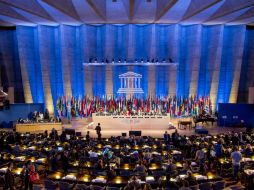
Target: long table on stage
[131,122]
[37,127]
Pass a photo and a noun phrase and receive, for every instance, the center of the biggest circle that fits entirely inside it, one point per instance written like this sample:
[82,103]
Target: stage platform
[156,130]
[131,122]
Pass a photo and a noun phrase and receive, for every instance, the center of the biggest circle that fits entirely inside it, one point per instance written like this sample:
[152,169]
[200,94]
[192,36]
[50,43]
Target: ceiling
[77,12]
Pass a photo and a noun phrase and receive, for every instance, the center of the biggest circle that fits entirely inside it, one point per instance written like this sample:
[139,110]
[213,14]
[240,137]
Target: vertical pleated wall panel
[28,47]
[247,69]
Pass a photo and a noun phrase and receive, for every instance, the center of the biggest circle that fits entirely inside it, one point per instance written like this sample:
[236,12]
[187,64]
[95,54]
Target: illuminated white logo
[130,83]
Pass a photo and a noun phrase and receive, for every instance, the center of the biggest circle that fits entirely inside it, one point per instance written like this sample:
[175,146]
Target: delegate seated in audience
[148,156]
[77,149]
[140,169]
[186,166]
[171,168]
[54,134]
[190,179]
[248,151]
[16,148]
[235,139]
[99,165]
[111,173]
[167,183]
[92,154]
[134,183]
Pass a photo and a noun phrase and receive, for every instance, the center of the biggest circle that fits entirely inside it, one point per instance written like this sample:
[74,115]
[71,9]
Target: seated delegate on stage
[39,117]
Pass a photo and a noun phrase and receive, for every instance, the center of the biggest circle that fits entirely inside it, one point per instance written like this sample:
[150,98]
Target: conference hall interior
[126,94]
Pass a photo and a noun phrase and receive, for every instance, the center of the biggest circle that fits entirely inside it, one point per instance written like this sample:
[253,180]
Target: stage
[153,129]
[131,122]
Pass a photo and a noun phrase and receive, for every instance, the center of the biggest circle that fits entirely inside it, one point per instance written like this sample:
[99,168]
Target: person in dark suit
[26,175]
[9,178]
[65,162]
[166,137]
[87,136]
[46,115]
[98,130]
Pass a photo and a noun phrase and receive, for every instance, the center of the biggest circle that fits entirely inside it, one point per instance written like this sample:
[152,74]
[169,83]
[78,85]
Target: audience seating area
[81,163]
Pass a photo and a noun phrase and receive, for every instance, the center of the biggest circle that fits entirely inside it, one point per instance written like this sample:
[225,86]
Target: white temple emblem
[130,83]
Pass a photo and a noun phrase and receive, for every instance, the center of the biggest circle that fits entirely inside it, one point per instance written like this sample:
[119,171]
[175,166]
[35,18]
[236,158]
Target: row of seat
[50,185]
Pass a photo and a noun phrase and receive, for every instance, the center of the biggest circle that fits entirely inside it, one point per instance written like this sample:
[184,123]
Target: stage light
[125,61]
[119,61]
[142,60]
[113,61]
[136,60]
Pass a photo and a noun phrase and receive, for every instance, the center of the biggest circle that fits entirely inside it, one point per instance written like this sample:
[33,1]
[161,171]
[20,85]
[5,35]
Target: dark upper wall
[247,69]
[9,62]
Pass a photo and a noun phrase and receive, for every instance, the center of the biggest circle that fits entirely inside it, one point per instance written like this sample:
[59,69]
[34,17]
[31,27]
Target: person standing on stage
[166,137]
[98,130]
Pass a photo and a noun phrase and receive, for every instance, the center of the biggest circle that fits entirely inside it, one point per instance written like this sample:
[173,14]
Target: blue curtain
[29,55]
[229,56]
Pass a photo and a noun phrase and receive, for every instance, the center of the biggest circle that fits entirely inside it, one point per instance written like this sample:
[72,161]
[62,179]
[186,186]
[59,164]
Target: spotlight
[95,60]
[125,61]
[136,60]
[141,60]
[113,61]
[119,61]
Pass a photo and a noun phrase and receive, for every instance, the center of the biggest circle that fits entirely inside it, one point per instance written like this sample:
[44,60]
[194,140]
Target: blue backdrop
[209,59]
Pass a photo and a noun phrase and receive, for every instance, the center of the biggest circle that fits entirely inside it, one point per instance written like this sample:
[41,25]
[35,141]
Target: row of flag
[174,106]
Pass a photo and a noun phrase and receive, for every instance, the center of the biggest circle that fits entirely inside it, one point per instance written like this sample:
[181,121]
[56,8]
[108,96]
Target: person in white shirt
[93,154]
